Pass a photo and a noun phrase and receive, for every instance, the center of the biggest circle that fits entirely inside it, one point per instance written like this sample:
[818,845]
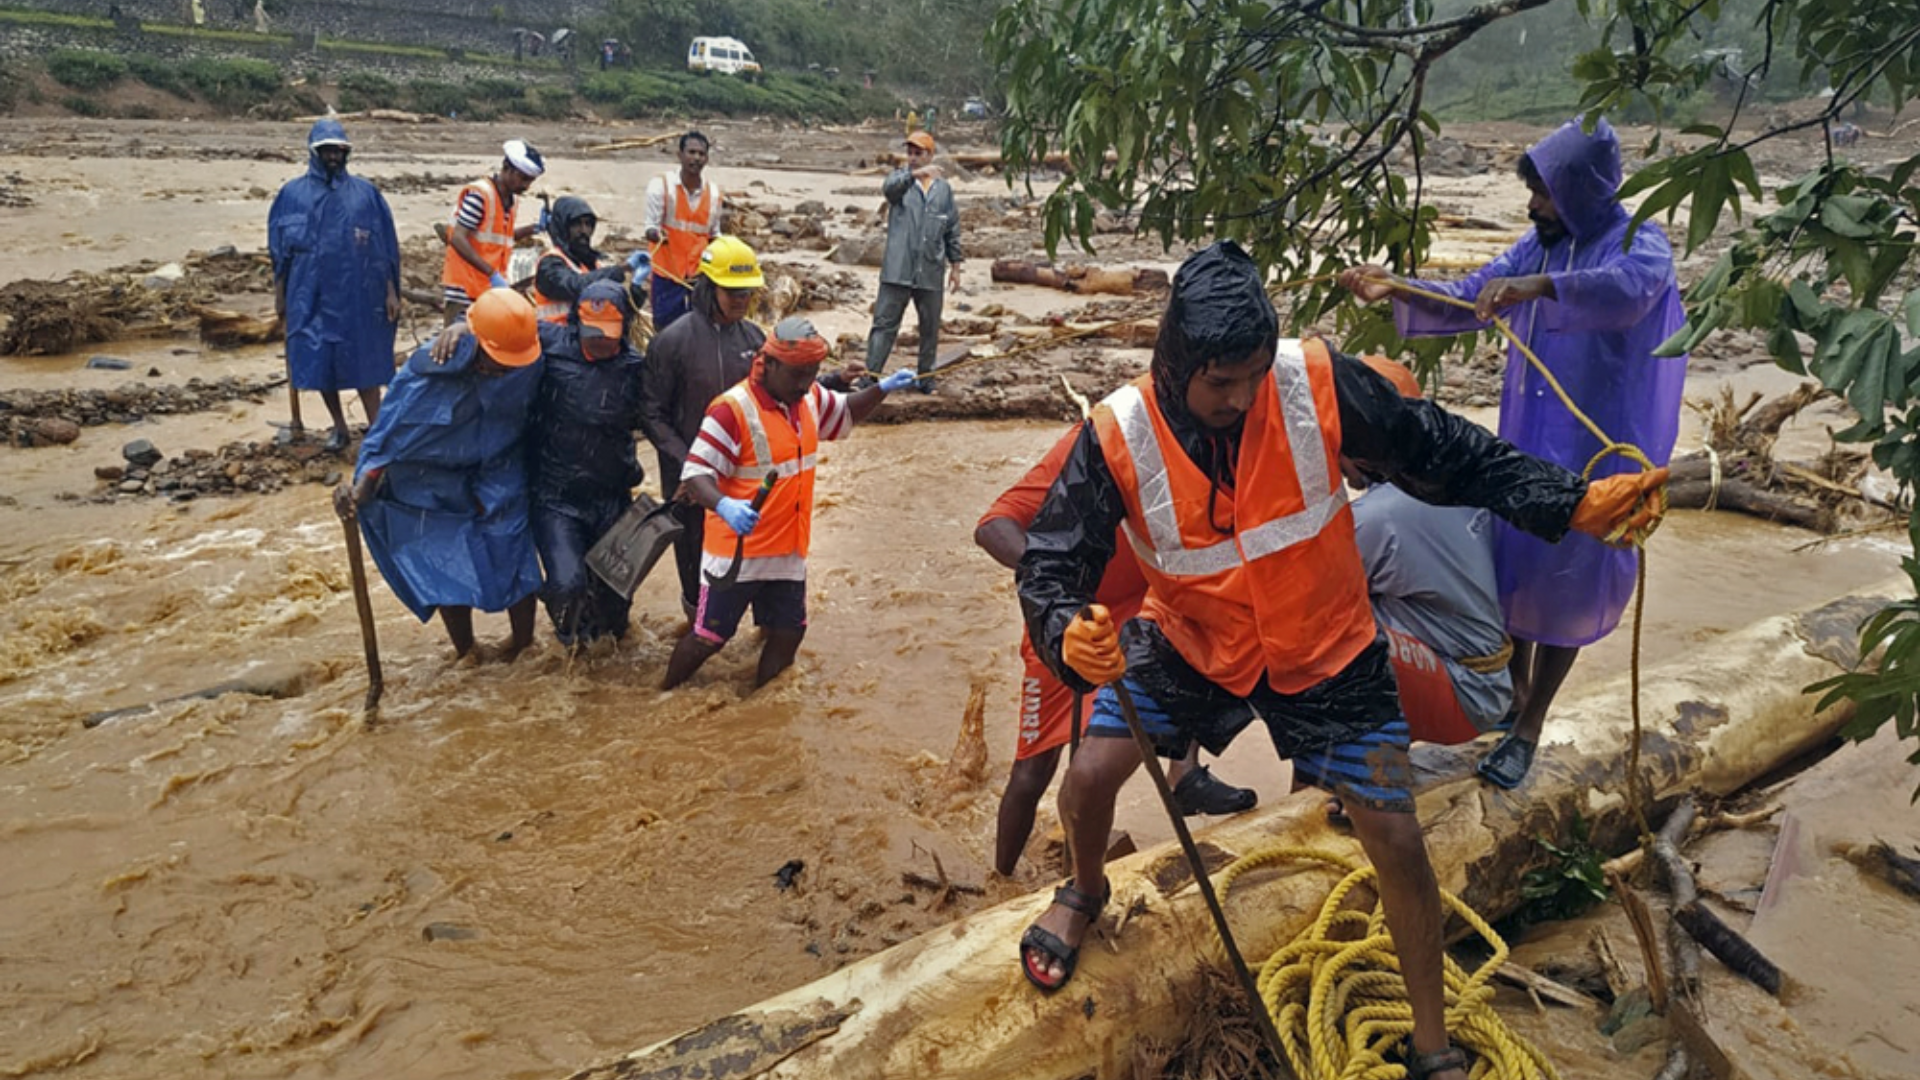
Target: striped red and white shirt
[715,452]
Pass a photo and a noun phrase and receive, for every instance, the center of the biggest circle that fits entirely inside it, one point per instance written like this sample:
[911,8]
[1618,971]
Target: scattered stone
[441,931]
[53,429]
[131,487]
[166,277]
[108,363]
[113,473]
[142,453]
[153,373]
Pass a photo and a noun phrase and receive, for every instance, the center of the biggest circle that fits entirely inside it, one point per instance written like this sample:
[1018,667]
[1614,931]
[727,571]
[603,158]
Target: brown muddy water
[520,868]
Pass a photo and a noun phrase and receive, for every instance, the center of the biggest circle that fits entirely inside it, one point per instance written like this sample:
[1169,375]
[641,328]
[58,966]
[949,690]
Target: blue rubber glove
[499,281]
[545,216]
[899,380]
[739,515]
[639,259]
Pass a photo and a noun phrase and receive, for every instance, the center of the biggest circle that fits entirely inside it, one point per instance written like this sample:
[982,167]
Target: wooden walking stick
[356,565]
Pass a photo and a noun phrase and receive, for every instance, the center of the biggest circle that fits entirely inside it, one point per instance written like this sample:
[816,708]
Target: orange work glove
[1623,508]
[1091,646]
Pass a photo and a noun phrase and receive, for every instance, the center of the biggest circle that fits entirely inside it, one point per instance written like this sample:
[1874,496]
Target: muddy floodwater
[520,868]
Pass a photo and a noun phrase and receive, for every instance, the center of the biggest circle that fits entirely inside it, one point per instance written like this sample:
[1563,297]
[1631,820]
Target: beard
[1550,230]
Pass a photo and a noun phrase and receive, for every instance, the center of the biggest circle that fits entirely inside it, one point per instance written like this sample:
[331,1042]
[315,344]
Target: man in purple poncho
[1593,304]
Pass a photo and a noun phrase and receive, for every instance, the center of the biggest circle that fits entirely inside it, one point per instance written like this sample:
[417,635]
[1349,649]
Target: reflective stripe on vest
[1162,548]
[492,241]
[549,310]
[685,230]
[786,520]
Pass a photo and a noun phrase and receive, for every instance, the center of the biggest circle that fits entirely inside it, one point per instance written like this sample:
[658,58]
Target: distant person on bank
[682,215]
[441,486]
[336,279]
[481,236]
[1593,305]
[922,258]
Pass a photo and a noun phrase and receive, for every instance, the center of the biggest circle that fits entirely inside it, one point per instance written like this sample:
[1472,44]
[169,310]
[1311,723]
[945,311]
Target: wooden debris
[1641,919]
[1610,967]
[1680,885]
[630,144]
[231,329]
[1728,946]
[1880,860]
[1080,279]
[398,116]
[1542,987]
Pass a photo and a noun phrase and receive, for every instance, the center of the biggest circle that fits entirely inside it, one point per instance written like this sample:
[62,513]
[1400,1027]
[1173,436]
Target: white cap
[524,158]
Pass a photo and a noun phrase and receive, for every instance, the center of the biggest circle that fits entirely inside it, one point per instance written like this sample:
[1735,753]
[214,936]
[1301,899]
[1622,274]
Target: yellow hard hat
[731,264]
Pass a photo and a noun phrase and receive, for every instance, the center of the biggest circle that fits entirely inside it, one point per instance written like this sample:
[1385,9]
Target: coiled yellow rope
[1336,996]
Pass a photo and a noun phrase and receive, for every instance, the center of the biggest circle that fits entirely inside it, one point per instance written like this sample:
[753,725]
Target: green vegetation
[368,90]
[233,85]
[86,69]
[1569,885]
[160,74]
[642,93]
[80,105]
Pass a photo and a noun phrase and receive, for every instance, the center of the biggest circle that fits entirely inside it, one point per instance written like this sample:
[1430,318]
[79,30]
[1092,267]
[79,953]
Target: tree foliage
[1298,126]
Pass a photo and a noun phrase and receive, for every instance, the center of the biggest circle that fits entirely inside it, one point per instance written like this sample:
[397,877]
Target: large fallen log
[952,1003]
[1080,279]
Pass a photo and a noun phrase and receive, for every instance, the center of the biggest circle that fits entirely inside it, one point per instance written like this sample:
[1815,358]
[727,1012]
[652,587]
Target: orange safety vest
[684,228]
[773,443]
[493,241]
[1284,593]
[554,311]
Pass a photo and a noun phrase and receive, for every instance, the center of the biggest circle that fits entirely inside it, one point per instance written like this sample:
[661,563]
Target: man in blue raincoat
[1593,304]
[581,445]
[441,485]
[336,278]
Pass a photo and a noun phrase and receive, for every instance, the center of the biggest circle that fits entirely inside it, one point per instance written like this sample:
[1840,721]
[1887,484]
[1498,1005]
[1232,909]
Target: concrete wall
[469,24]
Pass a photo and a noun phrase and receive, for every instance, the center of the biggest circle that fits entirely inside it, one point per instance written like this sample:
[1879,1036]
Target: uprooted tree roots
[1741,473]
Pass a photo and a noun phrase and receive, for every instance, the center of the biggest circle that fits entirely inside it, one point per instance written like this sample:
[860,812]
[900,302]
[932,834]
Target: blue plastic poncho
[1614,304]
[333,246]
[448,523]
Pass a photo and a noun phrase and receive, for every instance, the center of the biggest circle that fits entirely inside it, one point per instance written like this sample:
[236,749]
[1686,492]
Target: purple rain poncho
[1615,304]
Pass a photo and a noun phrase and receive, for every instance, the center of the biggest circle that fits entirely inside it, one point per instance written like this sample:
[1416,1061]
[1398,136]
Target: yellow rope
[1337,999]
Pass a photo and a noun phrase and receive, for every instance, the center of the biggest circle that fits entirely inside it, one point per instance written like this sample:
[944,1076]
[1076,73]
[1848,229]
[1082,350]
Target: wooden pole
[363,603]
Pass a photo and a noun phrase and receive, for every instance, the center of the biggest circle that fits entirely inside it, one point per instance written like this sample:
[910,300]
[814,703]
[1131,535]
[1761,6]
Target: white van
[728,56]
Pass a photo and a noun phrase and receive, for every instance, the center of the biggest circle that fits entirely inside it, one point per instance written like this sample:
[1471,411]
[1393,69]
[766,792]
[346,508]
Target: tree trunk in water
[953,1003]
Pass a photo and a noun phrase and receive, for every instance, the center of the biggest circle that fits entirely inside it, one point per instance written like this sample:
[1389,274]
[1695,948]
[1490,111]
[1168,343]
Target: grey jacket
[923,232]
[687,366]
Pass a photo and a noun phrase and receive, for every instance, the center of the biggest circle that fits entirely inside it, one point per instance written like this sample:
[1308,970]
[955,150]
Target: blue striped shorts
[1371,769]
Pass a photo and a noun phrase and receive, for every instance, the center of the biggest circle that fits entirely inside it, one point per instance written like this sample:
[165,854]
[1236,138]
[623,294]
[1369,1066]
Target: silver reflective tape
[762,451]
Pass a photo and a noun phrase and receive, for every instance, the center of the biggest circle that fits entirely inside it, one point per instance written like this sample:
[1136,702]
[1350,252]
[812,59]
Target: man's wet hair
[1219,311]
[695,136]
[1529,172]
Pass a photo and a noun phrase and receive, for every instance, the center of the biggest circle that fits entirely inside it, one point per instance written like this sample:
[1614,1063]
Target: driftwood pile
[1740,472]
[141,300]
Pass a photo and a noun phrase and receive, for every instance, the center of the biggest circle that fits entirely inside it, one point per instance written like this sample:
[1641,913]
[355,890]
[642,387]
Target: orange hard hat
[507,327]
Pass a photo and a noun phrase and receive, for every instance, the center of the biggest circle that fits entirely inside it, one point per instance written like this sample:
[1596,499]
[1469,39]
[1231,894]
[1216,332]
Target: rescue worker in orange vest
[1221,470]
[682,214]
[770,423]
[481,237]
[570,263]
